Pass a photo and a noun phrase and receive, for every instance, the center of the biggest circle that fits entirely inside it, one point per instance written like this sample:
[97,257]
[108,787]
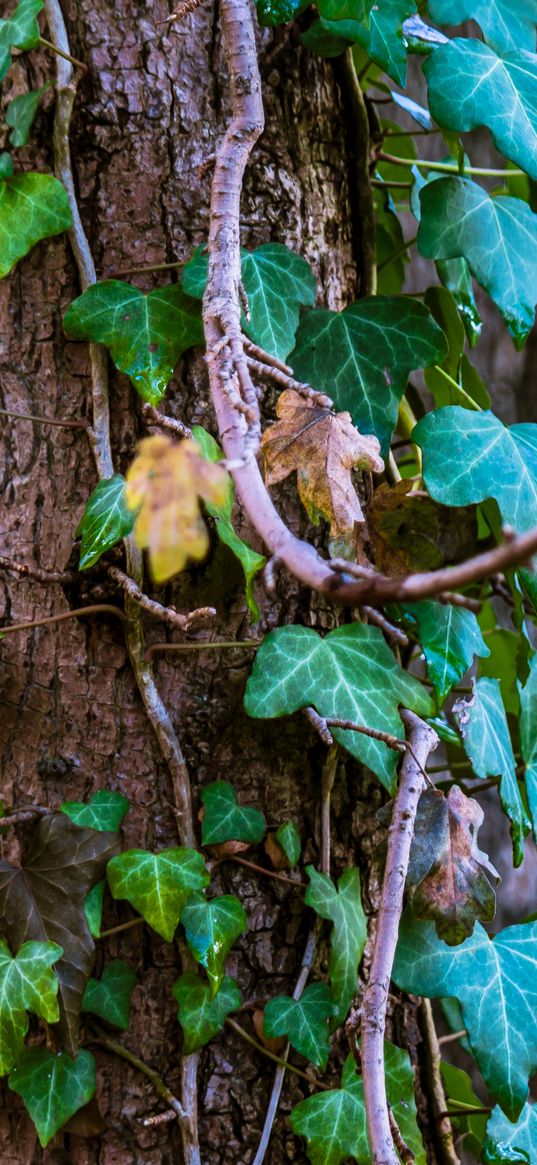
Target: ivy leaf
[323,448]
[109,997]
[450,637]
[21,31]
[93,908]
[459,1093]
[44,898]
[20,115]
[303,1021]
[105,521]
[350,674]
[507,1143]
[497,237]
[499,92]
[415,111]
[507,25]
[363,355]
[164,483]
[225,820]
[250,560]
[104,811]
[6,165]
[345,9]
[468,457]
[449,309]
[277,283]
[485,733]
[495,982]
[383,40]
[272,12]
[200,1013]
[334,1122]
[288,838]
[145,333]
[32,207]
[53,1087]
[27,983]
[158,885]
[343,907]
[211,929]
[447,874]
[528,738]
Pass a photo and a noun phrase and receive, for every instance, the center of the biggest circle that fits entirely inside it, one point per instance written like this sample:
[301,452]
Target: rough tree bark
[149,114]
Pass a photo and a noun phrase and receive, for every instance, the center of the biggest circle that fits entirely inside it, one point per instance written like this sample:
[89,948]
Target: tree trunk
[149,114]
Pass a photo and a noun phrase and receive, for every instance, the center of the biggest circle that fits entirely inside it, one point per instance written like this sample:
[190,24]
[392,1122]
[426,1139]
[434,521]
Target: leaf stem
[43,420]
[405,245]
[122,926]
[95,609]
[142,270]
[271,1056]
[297,882]
[61,53]
[446,168]
[465,396]
[162,1090]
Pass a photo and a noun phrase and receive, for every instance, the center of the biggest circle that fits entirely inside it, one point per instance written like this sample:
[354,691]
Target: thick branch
[422,739]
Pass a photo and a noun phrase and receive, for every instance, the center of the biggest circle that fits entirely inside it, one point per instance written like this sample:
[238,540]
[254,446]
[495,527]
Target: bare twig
[320,726]
[263,357]
[422,740]
[121,927]
[167,614]
[284,381]
[238,861]
[43,420]
[327,781]
[160,1118]
[455,600]
[38,573]
[153,416]
[380,620]
[181,11]
[236,1027]
[452,1036]
[95,609]
[21,815]
[436,1087]
[162,1090]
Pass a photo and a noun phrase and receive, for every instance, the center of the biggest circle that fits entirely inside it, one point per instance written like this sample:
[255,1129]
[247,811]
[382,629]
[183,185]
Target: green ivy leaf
[27,983]
[343,907]
[105,521]
[145,333]
[104,811]
[277,283]
[304,1021]
[350,674]
[93,908]
[272,12]
[528,738]
[492,90]
[450,637]
[459,1092]
[21,113]
[497,237]
[507,25]
[211,929]
[363,355]
[495,982]
[449,312]
[32,207]
[415,111]
[288,838]
[6,165]
[506,1143]
[53,1087]
[383,40]
[487,743]
[250,560]
[334,1123]
[225,820]
[109,997]
[158,885]
[21,31]
[468,457]
[200,1013]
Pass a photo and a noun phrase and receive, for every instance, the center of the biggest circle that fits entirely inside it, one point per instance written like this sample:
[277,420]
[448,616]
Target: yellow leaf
[164,483]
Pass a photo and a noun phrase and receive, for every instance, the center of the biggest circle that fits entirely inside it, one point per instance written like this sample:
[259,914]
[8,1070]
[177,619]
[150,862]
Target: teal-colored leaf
[104,810]
[455,276]
[459,1093]
[528,738]
[334,1122]
[507,25]
[32,207]
[225,820]
[53,1087]
[343,907]
[105,521]
[288,838]
[211,929]
[449,310]
[20,115]
[250,560]
[145,333]
[20,31]
[499,92]
[304,1021]
[450,637]
[495,983]
[497,237]
[93,908]
[507,1143]
[277,283]
[200,1013]
[468,457]
[350,674]
[417,112]
[383,40]
[158,885]
[363,355]
[109,997]
[272,12]
[508,658]
[322,41]
[6,165]
[487,743]
[27,983]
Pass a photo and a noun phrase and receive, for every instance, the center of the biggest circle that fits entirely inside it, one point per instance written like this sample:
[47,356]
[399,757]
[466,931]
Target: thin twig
[452,1036]
[284,381]
[456,600]
[38,573]
[182,10]
[47,44]
[160,1118]
[327,781]
[95,609]
[380,620]
[236,1027]
[43,420]
[446,168]
[435,1085]
[320,726]
[142,270]
[167,614]
[153,416]
[263,357]
[259,869]
[162,1090]
[422,739]
[121,927]
[22,815]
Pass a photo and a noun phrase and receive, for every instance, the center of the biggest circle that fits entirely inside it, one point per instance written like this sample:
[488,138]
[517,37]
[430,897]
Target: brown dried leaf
[272,1045]
[448,875]
[404,530]
[323,448]
[225,849]
[275,853]
[164,483]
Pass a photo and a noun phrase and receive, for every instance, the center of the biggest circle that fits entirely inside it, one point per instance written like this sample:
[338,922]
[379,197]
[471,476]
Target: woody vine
[325,399]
